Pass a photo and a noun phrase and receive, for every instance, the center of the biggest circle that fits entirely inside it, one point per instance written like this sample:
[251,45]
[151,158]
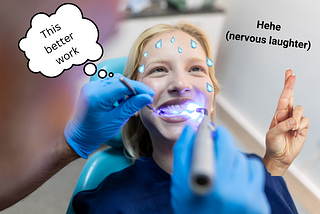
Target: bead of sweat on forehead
[159,44]
[209,61]
[145,54]
[193,45]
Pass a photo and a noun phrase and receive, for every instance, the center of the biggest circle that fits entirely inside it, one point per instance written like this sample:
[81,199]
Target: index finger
[140,87]
[285,100]
[182,150]
[112,90]
[224,147]
[287,75]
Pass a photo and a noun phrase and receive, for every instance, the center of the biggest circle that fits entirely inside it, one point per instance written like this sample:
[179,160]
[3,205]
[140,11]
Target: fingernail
[295,134]
[288,69]
[292,122]
[293,75]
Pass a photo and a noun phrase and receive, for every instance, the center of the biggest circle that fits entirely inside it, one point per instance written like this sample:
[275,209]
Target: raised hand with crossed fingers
[287,133]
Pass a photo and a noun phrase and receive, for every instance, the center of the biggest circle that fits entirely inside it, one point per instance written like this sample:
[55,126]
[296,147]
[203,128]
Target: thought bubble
[57,42]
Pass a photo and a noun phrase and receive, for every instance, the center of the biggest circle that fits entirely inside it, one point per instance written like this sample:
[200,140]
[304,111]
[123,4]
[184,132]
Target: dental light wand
[133,91]
[202,171]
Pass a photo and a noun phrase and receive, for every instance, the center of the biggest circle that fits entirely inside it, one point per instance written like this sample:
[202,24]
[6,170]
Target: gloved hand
[96,119]
[238,186]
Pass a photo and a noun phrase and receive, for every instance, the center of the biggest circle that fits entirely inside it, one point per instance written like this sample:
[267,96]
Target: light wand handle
[202,171]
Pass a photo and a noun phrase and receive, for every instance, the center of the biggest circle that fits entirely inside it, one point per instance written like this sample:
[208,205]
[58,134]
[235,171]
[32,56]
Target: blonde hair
[135,136]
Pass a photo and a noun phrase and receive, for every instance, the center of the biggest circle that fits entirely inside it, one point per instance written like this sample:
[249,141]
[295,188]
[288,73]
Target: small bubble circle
[111,74]
[102,73]
[90,69]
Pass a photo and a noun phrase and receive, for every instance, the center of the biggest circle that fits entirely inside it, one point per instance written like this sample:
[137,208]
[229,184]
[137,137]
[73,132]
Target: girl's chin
[172,134]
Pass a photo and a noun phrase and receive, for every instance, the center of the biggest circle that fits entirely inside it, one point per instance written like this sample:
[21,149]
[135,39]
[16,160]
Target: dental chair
[110,159]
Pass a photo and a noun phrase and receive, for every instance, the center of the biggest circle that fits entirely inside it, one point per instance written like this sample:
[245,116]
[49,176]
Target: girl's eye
[158,70]
[196,69]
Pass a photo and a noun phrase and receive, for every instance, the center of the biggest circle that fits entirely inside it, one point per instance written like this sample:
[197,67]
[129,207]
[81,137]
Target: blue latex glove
[96,119]
[238,185]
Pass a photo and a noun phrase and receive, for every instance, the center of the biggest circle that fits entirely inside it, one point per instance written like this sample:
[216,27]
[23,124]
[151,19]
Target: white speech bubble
[57,42]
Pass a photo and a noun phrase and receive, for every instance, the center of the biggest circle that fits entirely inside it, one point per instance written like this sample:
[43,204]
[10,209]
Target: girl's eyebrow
[196,59]
[157,61]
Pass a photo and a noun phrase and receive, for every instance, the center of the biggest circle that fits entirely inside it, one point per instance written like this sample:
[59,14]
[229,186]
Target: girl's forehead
[173,44]
[174,37]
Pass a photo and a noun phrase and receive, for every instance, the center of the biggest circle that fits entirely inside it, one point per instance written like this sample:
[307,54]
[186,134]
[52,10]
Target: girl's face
[179,75]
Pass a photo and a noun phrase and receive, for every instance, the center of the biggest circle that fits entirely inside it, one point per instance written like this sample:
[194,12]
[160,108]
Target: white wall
[252,75]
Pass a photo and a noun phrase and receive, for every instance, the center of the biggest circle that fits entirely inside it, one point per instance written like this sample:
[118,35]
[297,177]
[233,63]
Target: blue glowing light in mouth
[186,109]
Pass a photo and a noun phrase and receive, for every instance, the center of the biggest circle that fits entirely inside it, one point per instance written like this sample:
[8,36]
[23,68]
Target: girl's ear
[136,114]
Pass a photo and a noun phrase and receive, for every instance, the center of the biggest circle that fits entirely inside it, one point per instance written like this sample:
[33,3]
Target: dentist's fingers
[131,105]
[109,91]
[140,87]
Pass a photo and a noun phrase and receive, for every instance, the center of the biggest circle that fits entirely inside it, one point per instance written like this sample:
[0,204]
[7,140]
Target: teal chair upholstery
[110,159]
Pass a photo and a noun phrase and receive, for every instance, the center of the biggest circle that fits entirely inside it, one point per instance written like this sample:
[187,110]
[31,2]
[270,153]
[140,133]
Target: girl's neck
[163,156]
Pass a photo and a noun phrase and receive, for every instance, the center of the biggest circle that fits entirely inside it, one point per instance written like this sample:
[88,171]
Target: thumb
[183,148]
[226,151]
[224,142]
[281,128]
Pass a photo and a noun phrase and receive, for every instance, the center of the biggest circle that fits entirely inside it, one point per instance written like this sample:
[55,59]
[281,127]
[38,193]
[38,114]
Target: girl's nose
[179,83]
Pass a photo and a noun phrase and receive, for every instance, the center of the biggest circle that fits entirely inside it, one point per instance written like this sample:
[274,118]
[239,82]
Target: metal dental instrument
[134,92]
[202,171]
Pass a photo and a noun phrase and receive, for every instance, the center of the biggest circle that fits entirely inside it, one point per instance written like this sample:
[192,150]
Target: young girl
[176,62]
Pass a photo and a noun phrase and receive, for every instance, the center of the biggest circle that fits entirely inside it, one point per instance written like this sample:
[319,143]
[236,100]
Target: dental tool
[202,170]
[134,92]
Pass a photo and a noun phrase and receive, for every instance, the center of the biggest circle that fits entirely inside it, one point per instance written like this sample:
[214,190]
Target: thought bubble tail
[90,69]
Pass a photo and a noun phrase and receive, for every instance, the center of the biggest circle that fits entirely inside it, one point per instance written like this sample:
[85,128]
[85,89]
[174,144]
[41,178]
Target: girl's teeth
[174,110]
